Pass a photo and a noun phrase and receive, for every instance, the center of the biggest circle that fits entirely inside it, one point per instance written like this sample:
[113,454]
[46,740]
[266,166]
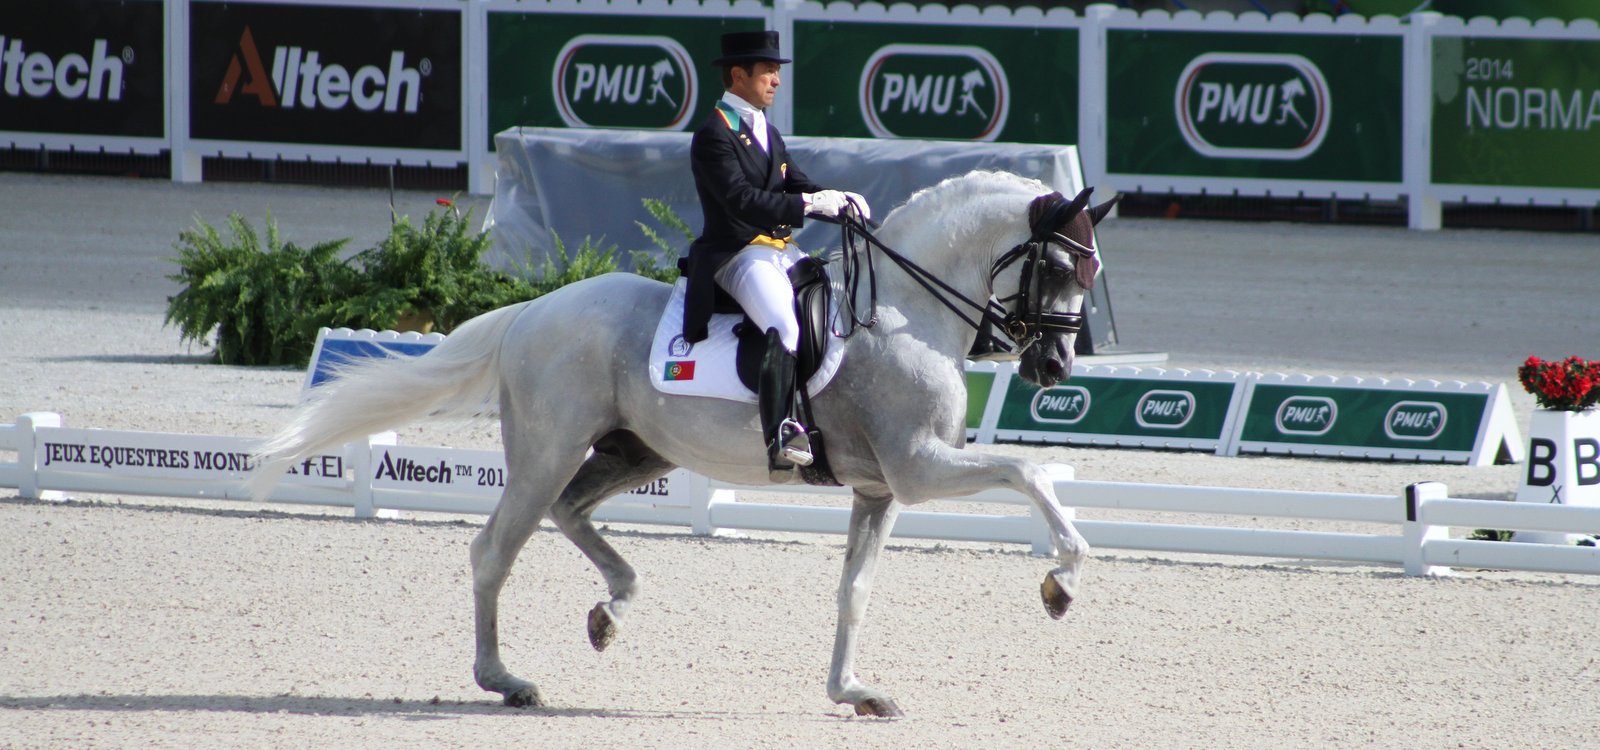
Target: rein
[1027,323]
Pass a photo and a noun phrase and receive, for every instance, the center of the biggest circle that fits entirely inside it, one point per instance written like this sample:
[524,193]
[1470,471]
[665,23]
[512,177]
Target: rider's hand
[825,203]
[860,204]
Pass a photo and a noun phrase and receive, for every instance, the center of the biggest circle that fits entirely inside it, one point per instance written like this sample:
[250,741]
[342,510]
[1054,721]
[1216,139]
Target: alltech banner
[325,74]
[1516,112]
[605,70]
[968,82]
[1288,106]
[83,67]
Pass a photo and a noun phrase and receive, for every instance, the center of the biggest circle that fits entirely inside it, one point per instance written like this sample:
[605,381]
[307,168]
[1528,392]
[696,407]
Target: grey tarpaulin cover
[581,183]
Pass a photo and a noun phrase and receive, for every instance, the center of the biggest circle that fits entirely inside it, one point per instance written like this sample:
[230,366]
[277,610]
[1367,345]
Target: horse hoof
[882,707]
[1056,598]
[602,627]
[527,697]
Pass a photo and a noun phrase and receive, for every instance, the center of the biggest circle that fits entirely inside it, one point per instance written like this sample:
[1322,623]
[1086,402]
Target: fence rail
[1423,513]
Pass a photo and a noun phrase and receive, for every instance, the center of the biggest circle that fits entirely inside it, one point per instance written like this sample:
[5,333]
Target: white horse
[581,422]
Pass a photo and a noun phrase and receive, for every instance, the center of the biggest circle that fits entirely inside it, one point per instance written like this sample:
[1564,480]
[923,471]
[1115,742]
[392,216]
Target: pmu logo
[612,81]
[1164,410]
[1415,420]
[73,76]
[1253,106]
[1062,404]
[303,79]
[934,91]
[1307,415]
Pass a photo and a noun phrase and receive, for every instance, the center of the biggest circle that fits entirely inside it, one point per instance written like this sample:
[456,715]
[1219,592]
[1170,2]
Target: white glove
[825,203]
[860,204]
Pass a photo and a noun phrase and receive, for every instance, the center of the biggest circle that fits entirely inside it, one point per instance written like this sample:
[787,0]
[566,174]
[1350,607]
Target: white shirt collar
[748,111]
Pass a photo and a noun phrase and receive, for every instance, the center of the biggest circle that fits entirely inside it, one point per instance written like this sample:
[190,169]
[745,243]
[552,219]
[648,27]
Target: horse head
[1057,266]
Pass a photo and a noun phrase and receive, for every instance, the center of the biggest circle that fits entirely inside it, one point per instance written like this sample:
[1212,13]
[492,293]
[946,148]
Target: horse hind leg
[529,476]
[620,462]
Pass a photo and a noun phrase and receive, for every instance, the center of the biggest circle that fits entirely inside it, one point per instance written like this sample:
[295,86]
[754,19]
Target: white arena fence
[378,476]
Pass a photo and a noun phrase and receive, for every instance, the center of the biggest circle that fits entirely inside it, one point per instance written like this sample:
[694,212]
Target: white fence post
[28,455]
[1416,123]
[698,489]
[360,456]
[1092,96]
[1418,533]
[186,165]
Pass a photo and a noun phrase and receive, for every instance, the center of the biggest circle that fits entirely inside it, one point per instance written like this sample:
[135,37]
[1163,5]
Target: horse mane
[956,205]
[959,207]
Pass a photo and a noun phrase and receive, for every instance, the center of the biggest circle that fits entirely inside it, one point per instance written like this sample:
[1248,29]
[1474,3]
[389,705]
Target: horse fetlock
[602,626]
[516,693]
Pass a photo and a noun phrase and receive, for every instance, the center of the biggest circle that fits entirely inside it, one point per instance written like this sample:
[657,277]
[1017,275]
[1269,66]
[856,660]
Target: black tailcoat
[744,192]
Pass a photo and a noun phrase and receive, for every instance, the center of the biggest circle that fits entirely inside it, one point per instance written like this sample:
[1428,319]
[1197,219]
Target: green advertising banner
[1254,105]
[1124,411]
[1516,112]
[604,70]
[934,81]
[1384,422]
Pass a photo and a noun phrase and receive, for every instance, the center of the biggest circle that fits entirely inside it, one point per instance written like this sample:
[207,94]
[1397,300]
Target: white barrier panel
[374,476]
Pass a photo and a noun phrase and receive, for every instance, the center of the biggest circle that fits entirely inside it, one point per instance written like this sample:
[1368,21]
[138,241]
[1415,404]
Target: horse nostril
[1052,366]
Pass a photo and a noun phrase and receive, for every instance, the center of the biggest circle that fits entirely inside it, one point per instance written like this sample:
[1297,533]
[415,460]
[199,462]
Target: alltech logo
[1415,420]
[1164,410]
[614,81]
[1253,106]
[302,78]
[1062,404]
[934,91]
[95,76]
[1307,415]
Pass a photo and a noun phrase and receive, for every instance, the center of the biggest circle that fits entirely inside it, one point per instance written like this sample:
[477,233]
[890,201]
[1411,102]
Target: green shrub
[255,298]
[265,302]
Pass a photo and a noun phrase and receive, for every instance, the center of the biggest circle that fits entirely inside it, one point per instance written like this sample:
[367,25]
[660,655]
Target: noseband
[1028,321]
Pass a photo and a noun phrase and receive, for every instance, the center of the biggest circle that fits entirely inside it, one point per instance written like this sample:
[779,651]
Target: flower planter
[1563,465]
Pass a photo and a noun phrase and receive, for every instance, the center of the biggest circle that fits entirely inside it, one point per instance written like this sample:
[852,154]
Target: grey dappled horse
[570,373]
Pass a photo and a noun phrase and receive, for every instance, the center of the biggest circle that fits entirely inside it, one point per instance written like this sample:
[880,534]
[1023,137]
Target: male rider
[753,196]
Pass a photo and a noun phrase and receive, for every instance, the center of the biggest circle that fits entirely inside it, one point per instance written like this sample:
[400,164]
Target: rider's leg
[758,277]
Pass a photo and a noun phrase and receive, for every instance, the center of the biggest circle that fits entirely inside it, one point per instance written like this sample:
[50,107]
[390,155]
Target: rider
[753,195]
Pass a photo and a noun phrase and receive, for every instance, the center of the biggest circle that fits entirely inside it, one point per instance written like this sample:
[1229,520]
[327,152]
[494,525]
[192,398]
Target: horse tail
[458,378]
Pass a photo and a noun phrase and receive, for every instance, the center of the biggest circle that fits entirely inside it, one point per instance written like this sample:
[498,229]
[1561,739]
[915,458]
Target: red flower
[1572,384]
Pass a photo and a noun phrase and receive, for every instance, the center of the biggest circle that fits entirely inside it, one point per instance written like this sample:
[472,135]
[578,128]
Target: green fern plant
[644,262]
[253,296]
[435,271]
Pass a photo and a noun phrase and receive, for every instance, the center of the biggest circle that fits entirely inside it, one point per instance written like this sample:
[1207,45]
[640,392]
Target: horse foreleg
[871,519]
[942,471]
[620,462]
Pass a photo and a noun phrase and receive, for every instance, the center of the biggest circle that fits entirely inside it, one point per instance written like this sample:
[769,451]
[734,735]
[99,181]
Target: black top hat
[740,47]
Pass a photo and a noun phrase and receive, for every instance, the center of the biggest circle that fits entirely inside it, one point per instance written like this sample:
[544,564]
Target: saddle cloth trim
[708,368]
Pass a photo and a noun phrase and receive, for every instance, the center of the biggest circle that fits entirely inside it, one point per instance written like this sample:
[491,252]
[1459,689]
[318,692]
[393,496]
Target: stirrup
[793,443]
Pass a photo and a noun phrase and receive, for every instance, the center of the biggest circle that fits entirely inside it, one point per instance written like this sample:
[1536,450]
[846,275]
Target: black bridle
[1026,321]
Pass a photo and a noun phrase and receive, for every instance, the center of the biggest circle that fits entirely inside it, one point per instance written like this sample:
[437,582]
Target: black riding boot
[787,444]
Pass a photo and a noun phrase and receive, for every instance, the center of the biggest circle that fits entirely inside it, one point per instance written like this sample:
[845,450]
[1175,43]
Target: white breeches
[758,277]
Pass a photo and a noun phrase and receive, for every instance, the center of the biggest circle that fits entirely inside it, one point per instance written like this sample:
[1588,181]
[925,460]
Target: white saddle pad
[707,368]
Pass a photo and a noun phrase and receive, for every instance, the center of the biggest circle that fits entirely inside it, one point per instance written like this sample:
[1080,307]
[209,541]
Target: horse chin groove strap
[1046,215]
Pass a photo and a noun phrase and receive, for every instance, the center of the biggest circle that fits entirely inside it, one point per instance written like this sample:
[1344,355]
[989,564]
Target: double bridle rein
[1027,321]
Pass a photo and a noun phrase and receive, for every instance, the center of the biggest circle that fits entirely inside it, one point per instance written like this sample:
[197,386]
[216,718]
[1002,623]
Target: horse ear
[1077,204]
[1099,212]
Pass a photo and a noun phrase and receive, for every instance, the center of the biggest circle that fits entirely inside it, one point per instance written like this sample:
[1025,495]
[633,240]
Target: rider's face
[758,87]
